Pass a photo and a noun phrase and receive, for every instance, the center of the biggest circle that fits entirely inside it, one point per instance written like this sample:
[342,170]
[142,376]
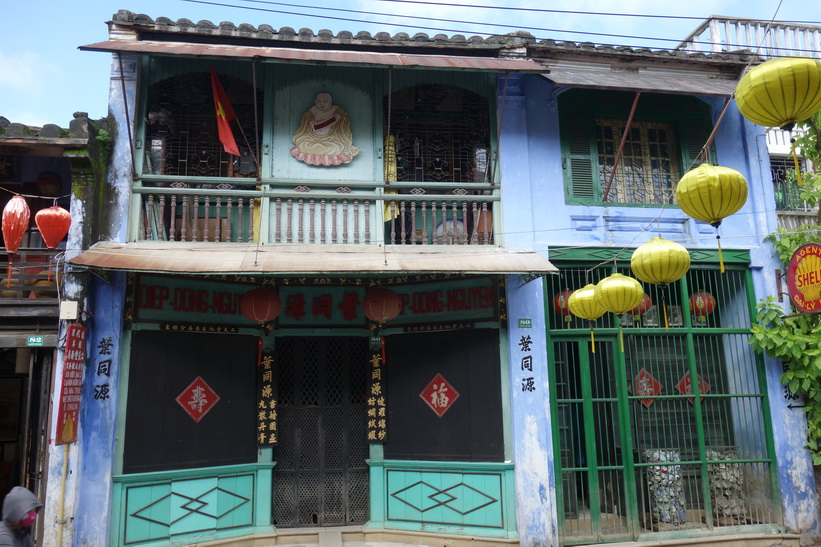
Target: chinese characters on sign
[74,360]
[685,386]
[102,386]
[526,363]
[197,399]
[377,410]
[645,385]
[439,395]
[266,402]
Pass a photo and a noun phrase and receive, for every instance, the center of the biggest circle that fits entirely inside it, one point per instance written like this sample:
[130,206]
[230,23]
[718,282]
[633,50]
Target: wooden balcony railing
[319,212]
[29,298]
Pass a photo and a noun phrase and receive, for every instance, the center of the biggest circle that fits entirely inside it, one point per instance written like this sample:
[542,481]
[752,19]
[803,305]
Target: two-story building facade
[272,195]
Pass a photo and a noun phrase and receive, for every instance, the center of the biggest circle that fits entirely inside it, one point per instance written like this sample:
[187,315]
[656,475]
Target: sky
[45,78]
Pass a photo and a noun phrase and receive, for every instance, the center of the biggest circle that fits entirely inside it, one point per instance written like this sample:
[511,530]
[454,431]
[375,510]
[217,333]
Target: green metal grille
[671,435]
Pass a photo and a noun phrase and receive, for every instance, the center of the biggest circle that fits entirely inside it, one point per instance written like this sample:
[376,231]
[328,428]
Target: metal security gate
[668,433]
[590,407]
[320,477]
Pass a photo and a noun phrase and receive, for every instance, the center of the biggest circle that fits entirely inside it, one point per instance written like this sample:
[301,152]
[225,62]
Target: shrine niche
[324,136]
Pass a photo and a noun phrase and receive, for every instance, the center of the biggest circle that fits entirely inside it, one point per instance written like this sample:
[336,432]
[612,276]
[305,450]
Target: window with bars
[787,191]
[442,133]
[665,139]
[646,171]
[671,433]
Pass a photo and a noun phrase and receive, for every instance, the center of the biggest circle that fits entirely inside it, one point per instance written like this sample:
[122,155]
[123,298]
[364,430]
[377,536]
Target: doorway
[321,475]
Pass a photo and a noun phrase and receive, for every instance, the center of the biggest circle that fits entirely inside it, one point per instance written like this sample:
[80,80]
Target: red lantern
[16,217]
[381,305]
[260,305]
[561,307]
[643,306]
[702,304]
[53,224]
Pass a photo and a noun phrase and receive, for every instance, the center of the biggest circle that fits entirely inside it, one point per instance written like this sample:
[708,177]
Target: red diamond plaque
[197,399]
[439,395]
[685,386]
[645,384]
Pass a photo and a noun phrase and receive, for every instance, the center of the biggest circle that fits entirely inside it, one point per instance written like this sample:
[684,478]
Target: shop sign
[68,408]
[192,305]
[266,401]
[804,277]
[377,404]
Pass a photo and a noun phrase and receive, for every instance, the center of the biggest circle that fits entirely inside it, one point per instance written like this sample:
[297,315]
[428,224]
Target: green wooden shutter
[579,161]
[694,129]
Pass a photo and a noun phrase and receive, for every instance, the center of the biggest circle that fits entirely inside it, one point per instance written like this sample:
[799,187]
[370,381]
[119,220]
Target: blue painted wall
[535,216]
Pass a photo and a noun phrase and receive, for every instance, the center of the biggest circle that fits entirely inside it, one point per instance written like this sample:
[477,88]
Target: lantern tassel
[592,341]
[259,348]
[720,255]
[8,277]
[621,339]
[798,178]
[384,358]
[664,310]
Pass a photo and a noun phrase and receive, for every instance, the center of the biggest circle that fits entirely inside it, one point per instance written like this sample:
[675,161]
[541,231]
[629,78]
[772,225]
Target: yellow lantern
[710,193]
[780,92]
[660,262]
[582,303]
[619,294]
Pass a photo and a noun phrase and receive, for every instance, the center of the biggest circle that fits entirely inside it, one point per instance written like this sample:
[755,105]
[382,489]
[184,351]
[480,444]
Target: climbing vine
[793,338]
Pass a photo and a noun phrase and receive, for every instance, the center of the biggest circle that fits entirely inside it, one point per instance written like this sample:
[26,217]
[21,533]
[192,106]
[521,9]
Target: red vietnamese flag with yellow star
[225,113]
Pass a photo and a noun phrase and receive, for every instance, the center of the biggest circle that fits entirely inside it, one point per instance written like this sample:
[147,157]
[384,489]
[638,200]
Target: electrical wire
[463,31]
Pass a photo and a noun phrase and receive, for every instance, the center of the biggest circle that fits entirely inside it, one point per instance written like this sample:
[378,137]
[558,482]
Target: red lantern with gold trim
[561,305]
[16,216]
[702,304]
[261,305]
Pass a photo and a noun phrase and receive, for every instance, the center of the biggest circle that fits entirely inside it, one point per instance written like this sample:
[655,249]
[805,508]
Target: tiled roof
[524,43]
[18,133]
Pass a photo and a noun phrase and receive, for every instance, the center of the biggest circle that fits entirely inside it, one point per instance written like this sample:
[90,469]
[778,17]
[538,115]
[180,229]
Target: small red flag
[225,113]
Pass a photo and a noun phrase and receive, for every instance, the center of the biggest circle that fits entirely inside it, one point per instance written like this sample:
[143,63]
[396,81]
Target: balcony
[721,34]
[29,300]
[203,209]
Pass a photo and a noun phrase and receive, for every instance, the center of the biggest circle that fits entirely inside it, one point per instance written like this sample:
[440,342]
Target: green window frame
[666,137]
[607,435]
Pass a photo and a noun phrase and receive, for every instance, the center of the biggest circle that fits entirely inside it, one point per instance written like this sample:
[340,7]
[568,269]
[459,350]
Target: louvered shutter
[579,160]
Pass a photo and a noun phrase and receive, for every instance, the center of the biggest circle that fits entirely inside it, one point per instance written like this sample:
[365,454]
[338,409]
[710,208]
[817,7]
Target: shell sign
[804,277]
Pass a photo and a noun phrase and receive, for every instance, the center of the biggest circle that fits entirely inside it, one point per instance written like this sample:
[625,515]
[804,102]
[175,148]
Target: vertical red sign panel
[68,409]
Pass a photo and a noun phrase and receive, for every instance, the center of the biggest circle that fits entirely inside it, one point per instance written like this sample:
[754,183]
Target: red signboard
[685,386]
[197,399]
[645,385]
[68,409]
[804,277]
[439,395]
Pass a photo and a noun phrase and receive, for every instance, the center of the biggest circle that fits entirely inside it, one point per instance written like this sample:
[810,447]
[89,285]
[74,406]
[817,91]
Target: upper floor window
[441,132]
[181,129]
[665,137]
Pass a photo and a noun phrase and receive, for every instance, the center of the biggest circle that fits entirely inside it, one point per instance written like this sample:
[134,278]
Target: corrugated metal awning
[643,81]
[320,56]
[250,258]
